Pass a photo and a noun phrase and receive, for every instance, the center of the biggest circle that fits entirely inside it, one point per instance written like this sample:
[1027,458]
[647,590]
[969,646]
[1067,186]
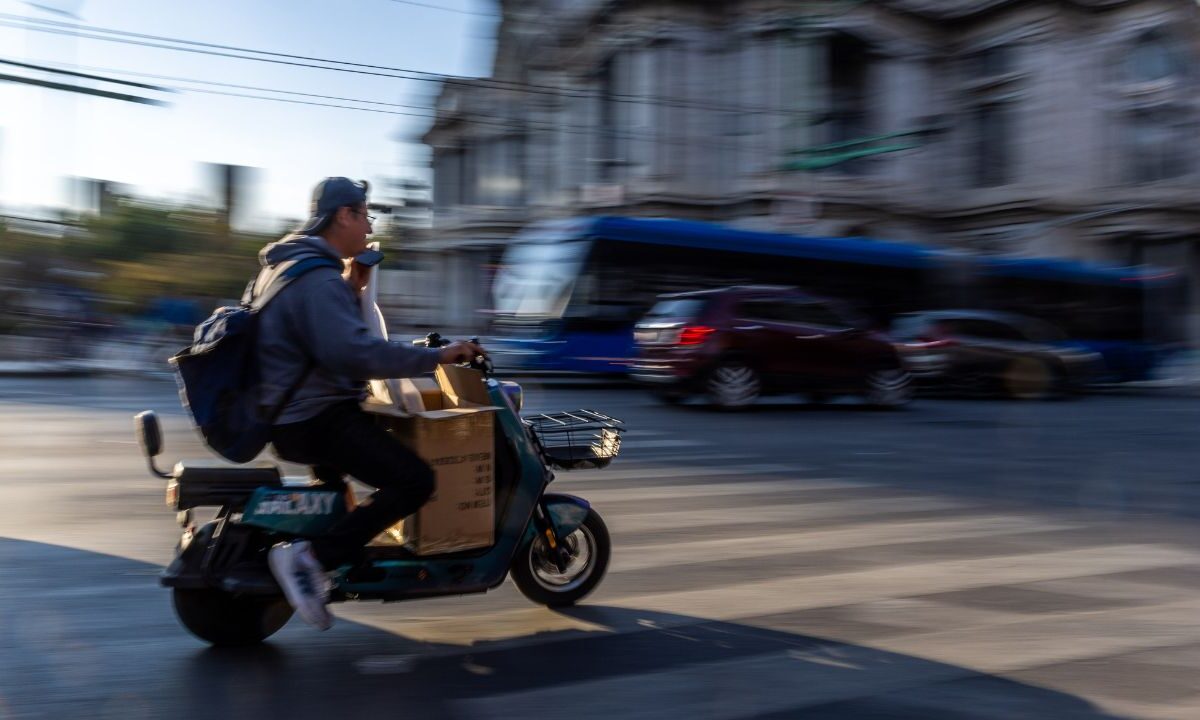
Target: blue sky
[46,135]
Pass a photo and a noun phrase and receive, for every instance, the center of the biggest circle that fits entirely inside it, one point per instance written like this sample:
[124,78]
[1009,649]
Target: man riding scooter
[316,354]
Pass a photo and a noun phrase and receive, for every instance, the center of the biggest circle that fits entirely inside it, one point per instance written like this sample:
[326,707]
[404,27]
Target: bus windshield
[537,278]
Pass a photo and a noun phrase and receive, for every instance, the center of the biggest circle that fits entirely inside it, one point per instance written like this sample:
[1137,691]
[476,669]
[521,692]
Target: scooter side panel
[303,512]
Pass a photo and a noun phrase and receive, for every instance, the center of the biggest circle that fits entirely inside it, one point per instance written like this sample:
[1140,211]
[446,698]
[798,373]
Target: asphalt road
[959,559]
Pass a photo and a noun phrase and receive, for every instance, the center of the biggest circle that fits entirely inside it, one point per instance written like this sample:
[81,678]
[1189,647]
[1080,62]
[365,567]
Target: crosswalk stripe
[791,594]
[625,465]
[770,682]
[714,490]
[639,444]
[862,535]
[1008,646]
[662,518]
[651,473]
[722,690]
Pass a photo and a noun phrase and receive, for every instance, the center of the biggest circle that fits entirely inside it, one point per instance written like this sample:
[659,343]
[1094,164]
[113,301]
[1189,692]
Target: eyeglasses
[370,218]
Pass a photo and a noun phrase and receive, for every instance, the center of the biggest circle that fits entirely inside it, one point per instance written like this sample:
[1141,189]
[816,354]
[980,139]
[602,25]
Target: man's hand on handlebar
[462,351]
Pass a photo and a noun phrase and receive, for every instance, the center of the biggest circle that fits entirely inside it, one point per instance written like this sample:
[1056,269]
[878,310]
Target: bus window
[537,279]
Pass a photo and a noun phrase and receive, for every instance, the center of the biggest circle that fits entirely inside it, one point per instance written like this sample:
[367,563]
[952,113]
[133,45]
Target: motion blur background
[144,157]
[972,199]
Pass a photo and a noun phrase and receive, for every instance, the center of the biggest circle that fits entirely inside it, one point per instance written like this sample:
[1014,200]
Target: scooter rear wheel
[540,580]
[223,619]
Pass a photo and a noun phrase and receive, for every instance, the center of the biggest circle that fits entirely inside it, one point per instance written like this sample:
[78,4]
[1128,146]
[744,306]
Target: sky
[48,135]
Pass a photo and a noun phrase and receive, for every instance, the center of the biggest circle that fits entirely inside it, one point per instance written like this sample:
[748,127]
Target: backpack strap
[272,282]
[269,283]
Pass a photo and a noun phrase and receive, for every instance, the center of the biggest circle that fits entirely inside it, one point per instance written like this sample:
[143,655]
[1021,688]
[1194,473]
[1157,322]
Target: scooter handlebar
[481,363]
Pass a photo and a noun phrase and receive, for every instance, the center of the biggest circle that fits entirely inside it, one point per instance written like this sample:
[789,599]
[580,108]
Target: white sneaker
[304,582]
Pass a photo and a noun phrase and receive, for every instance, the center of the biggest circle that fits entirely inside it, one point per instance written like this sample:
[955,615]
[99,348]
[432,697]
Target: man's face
[352,228]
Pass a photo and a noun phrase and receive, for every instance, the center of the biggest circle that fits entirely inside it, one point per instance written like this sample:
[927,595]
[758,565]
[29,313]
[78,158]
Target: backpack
[218,374]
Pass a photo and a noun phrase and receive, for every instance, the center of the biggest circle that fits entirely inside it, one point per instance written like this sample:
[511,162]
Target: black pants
[344,440]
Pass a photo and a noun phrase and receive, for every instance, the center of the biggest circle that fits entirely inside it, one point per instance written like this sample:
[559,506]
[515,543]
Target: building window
[447,168]
[990,63]
[1157,146]
[848,114]
[608,121]
[1153,58]
[499,172]
[992,152]
[670,72]
[627,110]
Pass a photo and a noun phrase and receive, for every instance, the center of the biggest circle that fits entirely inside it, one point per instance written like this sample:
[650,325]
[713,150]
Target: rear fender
[184,570]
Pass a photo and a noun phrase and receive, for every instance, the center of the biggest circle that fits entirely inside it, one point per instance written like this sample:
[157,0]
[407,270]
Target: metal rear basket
[577,439]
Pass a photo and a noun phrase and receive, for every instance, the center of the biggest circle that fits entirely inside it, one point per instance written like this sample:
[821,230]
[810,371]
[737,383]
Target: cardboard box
[429,391]
[457,442]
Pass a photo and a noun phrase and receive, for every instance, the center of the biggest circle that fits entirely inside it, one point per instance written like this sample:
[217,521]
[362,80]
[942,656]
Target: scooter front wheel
[539,578]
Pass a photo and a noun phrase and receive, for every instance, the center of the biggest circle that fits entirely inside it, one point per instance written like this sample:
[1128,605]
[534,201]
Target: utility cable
[235,52]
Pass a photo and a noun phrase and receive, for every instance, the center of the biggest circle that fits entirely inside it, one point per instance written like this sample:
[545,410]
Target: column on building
[781,88]
[900,85]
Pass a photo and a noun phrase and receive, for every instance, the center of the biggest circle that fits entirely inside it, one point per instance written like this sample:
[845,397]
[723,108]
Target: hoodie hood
[296,247]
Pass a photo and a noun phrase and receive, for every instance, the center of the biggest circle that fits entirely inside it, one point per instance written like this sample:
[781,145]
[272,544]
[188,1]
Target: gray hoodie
[317,321]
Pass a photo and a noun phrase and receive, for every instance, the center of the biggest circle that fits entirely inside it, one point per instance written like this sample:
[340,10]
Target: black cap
[329,195]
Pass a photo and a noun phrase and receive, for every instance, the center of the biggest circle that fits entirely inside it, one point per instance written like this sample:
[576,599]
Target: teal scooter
[555,546]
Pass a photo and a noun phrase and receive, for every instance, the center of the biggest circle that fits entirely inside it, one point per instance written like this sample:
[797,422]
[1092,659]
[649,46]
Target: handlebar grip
[432,340]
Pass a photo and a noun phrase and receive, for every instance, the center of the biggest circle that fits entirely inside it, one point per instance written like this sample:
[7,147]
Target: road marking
[812,674]
[788,594]
[671,492]
[863,535]
[649,474]
[662,518]
[723,690]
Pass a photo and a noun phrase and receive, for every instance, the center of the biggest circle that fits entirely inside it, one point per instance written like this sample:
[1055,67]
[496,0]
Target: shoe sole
[310,612]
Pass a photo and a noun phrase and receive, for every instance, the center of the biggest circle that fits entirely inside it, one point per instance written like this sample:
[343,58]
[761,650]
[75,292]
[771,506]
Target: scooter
[556,547]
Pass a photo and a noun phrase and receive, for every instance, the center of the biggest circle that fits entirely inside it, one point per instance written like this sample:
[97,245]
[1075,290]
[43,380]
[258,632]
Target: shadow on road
[91,635]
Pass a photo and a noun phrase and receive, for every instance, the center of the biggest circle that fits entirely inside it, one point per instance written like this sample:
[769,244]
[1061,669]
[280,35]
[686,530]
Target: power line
[306,102]
[505,123]
[4,77]
[219,50]
[72,73]
[176,78]
[446,9]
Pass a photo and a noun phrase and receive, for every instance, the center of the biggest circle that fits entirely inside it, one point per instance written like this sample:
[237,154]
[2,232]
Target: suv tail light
[695,334]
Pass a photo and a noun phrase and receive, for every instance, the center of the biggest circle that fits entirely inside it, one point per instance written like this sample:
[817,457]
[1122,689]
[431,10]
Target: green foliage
[135,253]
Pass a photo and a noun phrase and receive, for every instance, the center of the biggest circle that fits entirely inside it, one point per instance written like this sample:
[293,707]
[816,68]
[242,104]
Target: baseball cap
[329,195]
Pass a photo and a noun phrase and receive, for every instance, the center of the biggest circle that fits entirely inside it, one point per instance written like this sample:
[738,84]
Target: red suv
[735,344]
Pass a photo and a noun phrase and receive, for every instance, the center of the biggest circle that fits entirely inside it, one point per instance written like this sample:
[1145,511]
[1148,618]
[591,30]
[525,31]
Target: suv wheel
[733,384]
[890,388]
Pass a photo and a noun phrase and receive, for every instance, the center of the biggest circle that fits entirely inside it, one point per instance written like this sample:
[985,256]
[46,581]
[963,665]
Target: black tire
[534,574]
[889,389]
[733,385]
[227,620]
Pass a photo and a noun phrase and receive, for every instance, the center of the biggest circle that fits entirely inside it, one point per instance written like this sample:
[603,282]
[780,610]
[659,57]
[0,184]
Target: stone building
[1059,127]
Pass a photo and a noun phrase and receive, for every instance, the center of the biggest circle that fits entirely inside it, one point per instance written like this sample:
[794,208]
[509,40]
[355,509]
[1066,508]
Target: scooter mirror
[149,436]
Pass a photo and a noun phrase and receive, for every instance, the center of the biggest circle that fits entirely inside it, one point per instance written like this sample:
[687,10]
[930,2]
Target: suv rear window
[679,308]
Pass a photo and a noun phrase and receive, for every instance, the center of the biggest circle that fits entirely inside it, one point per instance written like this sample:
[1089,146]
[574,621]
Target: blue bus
[569,291]
[1133,318]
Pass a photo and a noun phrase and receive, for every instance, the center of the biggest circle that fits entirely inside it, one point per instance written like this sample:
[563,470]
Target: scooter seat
[209,484]
[204,473]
